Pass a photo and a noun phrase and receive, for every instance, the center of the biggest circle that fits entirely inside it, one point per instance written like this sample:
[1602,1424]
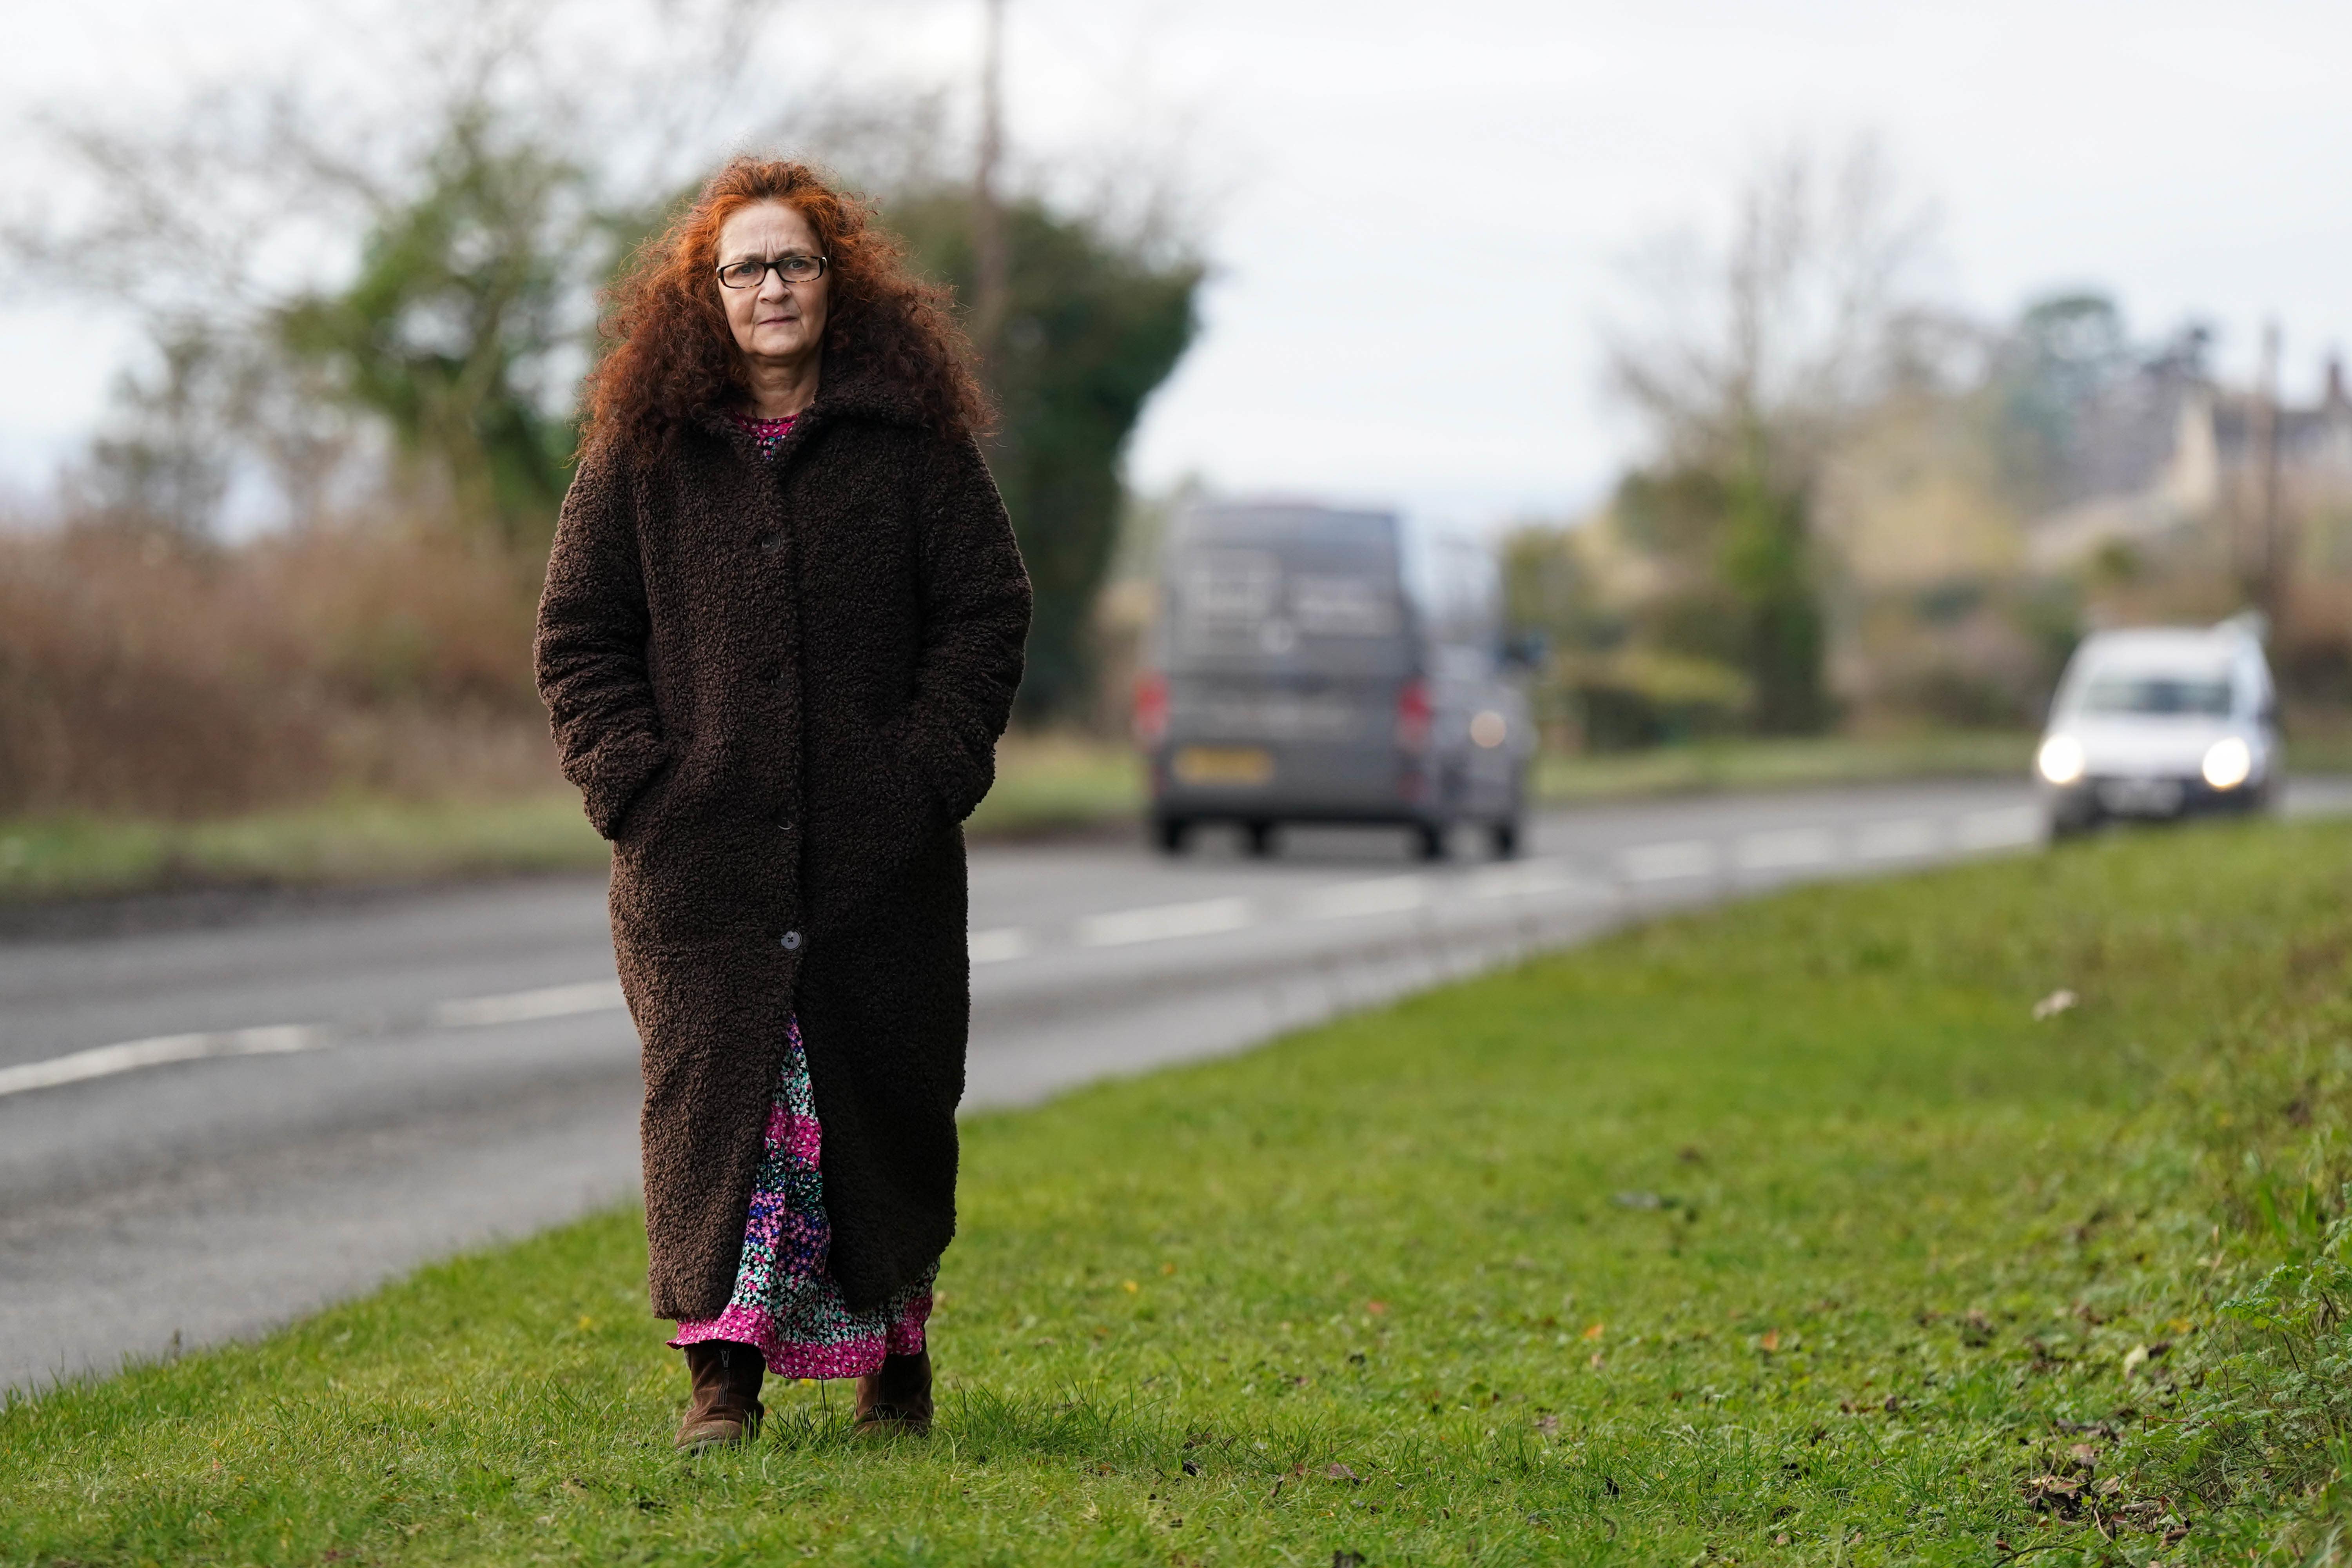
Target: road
[206,1131]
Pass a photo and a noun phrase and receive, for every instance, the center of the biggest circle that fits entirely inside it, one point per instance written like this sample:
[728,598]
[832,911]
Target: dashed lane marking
[1374,896]
[2001,829]
[1897,840]
[1164,921]
[1532,879]
[1664,862]
[105,1061]
[1000,944]
[522,1007]
[1788,847]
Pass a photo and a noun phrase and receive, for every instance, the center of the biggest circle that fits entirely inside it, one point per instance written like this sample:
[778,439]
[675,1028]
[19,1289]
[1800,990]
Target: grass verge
[1044,785]
[1782,764]
[1784,1232]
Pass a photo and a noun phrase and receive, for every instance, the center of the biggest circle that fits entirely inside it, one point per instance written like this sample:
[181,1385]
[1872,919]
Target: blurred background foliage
[1094,322]
[405,426]
[1860,510]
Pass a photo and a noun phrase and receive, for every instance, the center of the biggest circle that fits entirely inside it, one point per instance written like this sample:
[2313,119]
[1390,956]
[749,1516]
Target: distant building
[2164,459]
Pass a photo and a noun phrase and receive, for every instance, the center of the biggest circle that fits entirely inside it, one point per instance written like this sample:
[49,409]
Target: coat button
[791,941]
[783,825]
[772,542]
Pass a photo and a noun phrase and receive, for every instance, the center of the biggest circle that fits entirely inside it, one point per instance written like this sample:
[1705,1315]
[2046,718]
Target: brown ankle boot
[897,1399]
[726,1407]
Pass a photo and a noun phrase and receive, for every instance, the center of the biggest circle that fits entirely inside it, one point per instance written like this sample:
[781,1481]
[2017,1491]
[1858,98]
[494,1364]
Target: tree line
[423,365]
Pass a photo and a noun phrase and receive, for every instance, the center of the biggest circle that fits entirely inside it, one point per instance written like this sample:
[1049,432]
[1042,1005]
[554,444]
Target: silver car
[1311,664]
[2160,722]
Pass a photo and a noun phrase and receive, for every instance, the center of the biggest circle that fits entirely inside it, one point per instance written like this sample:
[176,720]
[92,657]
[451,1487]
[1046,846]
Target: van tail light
[1413,716]
[1151,707]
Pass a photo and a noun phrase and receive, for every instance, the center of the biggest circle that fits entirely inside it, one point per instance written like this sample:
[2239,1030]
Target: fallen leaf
[1376,1309]
[2057,1001]
[1596,1331]
[1334,1471]
[1638,1200]
[1129,1286]
[2133,1359]
[1548,1425]
[2085,1455]
[1596,1358]
[1769,1341]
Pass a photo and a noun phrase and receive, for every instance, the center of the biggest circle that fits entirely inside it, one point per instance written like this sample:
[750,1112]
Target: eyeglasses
[791,268]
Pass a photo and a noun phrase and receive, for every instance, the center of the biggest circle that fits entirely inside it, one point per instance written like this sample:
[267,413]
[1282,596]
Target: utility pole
[2262,441]
[991,283]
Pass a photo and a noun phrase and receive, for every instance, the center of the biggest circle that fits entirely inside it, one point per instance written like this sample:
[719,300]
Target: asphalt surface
[204,1132]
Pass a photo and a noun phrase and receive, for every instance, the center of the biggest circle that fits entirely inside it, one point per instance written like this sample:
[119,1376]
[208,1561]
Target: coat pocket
[631,823]
[683,867]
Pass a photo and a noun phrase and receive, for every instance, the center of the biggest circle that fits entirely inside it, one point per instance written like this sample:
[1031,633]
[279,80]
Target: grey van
[1316,665]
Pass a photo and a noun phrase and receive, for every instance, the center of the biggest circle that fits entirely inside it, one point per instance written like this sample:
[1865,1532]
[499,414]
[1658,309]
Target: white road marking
[105,1061]
[1164,921]
[522,1007]
[1528,879]
[1896,840]
[2000,830]
[1663,862]
[1375,895]
[1788,847]
[999,945]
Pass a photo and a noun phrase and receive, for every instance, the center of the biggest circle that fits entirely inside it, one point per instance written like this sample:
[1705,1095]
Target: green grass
[1046,783]
[1780,1233]
[343,841]
[1740,763]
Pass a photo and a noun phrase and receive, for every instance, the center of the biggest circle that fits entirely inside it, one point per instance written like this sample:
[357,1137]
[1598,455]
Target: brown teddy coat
[778,683]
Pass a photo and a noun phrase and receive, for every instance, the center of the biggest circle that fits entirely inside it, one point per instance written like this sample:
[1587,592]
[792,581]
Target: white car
[2160,722]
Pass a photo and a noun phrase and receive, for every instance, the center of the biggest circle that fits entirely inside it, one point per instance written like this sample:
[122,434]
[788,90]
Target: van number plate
[1225,765]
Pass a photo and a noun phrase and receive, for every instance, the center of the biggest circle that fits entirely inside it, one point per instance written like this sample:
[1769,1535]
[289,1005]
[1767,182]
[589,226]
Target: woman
[781,634]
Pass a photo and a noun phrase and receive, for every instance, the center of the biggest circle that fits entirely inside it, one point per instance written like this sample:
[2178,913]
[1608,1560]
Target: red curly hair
[673,355]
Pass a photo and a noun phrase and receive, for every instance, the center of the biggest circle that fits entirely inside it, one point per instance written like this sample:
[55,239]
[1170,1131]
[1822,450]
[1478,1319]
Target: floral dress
[785,1302]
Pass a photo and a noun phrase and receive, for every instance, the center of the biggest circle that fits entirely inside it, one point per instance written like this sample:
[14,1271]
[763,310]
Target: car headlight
[2060,760]
[2228,761]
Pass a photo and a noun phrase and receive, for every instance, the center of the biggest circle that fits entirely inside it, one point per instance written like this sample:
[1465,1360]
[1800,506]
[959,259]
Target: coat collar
[845,390]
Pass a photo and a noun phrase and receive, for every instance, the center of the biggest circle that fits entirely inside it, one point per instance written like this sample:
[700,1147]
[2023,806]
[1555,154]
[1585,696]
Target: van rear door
[1287,642]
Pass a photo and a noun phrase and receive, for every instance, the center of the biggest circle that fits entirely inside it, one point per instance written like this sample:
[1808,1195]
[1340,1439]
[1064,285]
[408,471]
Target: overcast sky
[1418,212]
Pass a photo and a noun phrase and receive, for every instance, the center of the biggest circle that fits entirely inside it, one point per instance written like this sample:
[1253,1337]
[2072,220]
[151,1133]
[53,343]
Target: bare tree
[1752,360]
[1785,330]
